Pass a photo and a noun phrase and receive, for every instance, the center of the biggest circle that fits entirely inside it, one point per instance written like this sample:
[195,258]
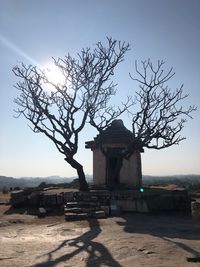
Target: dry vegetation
[128,240]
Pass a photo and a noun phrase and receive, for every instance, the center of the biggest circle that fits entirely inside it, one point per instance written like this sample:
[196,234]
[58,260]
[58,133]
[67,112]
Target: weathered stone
[60,199]
[18,198]
[68,196]
[89,203]
[42,212]
[99,214]
[50,199]
[89,209]
[34,198]
[115,209]
[130,200]
[141,206]
[126,205]
[73,210]
[72,204]
[106,209]
[195,208]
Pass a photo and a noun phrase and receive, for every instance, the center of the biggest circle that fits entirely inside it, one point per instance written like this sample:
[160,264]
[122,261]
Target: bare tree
[62,113]
[161,115]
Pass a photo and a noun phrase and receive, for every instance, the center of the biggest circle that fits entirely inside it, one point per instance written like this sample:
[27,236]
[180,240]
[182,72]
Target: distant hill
[182,177]
[182,180]
[147,180]
[35,181]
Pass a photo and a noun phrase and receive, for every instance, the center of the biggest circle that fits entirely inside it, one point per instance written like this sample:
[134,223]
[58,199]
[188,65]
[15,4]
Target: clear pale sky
[34,31]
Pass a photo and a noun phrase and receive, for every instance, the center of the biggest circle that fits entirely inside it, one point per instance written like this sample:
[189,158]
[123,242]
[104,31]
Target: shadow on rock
[97,253]
[167,227]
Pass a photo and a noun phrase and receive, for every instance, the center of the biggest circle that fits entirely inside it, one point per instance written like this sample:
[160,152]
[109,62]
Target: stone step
[81,209]
[82,204]
[73,210]
[71,204]
[99,214]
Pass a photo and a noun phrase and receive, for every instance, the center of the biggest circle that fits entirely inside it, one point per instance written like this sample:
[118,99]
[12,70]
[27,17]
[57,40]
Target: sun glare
[53,74]
[54,77]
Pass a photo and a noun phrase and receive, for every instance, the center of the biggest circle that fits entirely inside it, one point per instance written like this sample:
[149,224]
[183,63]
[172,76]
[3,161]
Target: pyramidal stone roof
[116,133]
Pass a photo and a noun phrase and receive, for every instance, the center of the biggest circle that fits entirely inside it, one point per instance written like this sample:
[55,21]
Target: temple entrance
[113,167]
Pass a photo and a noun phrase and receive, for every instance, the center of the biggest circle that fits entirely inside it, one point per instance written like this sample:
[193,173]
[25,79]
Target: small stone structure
[116,157]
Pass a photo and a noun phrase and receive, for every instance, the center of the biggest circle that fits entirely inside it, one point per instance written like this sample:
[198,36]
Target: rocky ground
[129,240]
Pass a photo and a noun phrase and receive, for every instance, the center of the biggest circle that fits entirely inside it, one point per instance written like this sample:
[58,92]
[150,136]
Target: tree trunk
[139,166]
[80,172]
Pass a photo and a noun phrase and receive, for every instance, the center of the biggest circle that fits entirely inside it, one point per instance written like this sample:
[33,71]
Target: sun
[53,74]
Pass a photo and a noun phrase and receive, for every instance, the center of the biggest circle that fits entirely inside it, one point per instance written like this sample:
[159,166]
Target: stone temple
[116,157]
[117,184]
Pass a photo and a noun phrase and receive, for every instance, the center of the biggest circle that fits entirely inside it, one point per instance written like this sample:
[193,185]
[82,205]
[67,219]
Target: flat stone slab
[73,210]
[100,214]
[71,204]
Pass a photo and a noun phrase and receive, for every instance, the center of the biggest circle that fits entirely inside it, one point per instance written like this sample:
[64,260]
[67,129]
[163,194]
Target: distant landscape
[187,181]
[36,181]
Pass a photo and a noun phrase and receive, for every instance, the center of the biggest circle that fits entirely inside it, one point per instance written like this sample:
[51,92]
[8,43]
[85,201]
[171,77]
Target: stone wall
[123,200]
[195,207]
[99,167]
[130,173]
[35,198]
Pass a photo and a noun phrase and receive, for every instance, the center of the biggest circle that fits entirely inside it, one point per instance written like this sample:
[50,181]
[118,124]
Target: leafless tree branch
[161,115]
[62,113]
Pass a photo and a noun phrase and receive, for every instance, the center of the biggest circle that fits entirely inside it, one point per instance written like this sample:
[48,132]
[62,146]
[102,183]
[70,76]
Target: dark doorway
[114,164]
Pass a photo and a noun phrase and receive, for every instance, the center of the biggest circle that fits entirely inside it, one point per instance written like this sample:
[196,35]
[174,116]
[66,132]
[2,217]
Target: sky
[35,31]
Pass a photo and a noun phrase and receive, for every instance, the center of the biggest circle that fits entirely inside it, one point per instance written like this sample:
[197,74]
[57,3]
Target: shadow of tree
[190,250]
[97,253]
[165,227]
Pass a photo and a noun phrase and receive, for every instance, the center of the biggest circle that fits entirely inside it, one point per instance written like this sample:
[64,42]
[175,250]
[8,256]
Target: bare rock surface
[130,240]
